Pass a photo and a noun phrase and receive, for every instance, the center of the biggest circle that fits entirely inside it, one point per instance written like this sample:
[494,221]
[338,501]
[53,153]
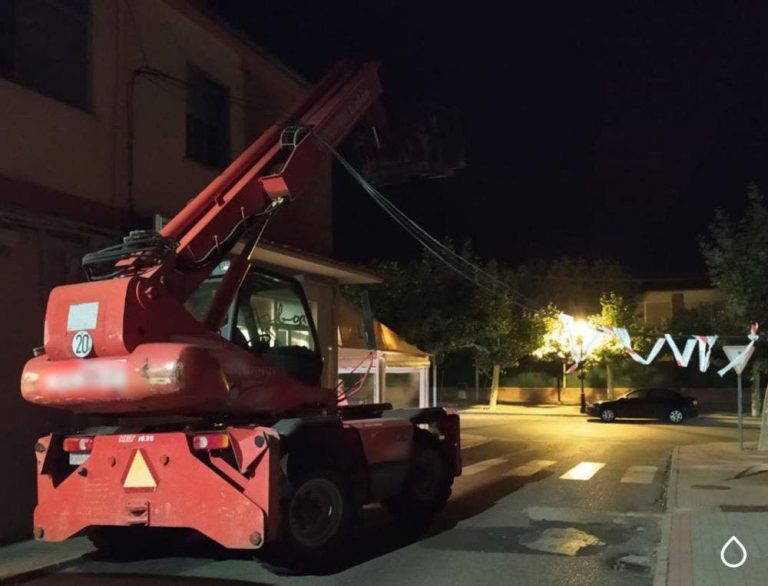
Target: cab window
[271,313]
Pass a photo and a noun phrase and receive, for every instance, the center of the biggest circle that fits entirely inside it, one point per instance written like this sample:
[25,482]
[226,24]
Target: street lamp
[580,342]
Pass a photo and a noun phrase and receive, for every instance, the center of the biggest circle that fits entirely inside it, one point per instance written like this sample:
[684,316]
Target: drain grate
[744,508]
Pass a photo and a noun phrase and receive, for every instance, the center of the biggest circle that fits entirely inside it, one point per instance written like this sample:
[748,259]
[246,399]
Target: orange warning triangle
[139,475]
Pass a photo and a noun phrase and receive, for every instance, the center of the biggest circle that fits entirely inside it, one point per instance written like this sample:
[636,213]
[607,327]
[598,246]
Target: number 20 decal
[82,344]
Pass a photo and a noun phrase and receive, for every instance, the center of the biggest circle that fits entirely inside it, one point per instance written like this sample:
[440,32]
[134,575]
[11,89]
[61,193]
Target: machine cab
[270,317]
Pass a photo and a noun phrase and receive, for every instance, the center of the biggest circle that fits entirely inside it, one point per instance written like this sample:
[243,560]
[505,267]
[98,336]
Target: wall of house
[659,306]
[24,292]
[89,165]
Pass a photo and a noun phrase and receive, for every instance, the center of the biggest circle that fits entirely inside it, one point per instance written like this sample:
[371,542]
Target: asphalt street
[544,499]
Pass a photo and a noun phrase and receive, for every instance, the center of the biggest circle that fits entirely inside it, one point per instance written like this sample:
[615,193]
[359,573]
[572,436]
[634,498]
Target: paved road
[544,500]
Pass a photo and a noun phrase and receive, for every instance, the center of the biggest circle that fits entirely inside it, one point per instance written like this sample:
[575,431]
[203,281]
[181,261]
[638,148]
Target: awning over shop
[397,370]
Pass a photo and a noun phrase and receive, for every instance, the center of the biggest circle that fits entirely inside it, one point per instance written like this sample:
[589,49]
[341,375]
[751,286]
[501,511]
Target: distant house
[657,306]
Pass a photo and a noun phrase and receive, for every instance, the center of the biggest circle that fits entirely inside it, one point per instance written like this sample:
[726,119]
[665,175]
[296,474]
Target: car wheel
[675,416]
[608,415]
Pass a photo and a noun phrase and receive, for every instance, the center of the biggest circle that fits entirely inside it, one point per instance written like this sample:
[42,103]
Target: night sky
[600,133]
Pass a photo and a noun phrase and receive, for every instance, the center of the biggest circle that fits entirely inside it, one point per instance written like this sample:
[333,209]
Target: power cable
[439,250]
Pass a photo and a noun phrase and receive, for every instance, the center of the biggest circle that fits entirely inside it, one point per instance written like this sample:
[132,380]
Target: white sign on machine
[81,318]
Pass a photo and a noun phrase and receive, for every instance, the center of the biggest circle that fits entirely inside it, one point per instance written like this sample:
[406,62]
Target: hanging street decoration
[626,342]
[739,355]
[706,343]
[684,357]
[585,338]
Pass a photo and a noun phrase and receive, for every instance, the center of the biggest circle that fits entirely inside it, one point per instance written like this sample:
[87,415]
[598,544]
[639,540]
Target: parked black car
[647,403]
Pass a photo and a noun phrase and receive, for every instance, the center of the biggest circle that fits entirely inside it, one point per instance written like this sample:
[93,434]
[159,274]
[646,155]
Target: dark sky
[604,132]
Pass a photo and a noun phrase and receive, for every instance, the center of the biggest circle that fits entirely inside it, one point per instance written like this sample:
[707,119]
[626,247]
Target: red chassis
[227,435]
[226,484]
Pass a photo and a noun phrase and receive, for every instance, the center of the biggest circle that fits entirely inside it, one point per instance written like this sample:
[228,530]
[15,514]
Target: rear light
[695,402]
[78,444]
[210,441]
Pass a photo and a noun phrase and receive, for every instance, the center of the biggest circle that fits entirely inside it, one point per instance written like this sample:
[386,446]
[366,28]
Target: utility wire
[443,253]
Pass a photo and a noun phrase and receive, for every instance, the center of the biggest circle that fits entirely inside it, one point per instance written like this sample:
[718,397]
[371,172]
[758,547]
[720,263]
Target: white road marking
[481,466]
[639,474]
[531,468]
[583,471]
[472,441]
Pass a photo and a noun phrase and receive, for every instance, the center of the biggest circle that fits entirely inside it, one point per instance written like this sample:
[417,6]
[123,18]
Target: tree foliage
[736,254]
[575,286]
[441,311]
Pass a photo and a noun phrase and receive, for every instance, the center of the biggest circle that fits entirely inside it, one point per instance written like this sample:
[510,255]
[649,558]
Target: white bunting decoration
[739,362]
[706,343]
[684,357]
[626,341]
[738,356]
[580,352]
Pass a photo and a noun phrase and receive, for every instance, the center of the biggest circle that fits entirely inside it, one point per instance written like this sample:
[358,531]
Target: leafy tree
[575,286]
[509,329]
[441,311]
[616,312]
[427,303]
[736,254]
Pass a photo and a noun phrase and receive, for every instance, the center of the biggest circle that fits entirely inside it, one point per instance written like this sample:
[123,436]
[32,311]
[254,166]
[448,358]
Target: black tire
[427,485]
[607,415]
[318,513]
[676,416]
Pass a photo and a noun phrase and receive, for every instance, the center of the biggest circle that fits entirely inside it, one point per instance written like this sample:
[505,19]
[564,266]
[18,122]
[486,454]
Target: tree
[616,312]
[509,329]
[427,303]
[442,311]
[736,254]
[575,286]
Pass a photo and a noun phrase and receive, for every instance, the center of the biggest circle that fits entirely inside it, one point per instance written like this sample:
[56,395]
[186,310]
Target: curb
[661,572]
[37,572]
[21,562]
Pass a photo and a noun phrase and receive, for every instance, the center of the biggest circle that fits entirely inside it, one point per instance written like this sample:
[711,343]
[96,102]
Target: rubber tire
[410,506]
[670,415]
[603,413]
[327,478]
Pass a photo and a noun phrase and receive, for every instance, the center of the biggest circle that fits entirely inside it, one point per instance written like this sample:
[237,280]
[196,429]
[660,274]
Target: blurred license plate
[77,459]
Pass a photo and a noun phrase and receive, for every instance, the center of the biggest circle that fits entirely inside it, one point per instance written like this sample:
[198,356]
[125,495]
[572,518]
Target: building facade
[112,112]
[659,306]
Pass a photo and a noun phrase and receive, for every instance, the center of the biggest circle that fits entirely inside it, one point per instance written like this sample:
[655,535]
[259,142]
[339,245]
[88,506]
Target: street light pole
[580,340]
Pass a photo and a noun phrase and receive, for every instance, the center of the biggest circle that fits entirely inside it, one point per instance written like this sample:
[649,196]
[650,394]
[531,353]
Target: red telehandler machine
[206,381]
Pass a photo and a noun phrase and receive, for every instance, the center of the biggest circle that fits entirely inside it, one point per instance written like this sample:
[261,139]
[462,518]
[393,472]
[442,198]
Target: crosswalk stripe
[481,466]
[472,441]
[531,468]
[583,471]
[639,474]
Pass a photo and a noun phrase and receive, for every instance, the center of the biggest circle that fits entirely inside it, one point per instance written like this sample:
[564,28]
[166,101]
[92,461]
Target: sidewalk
[573,411]
[524,409]
[30,557]
[715,492]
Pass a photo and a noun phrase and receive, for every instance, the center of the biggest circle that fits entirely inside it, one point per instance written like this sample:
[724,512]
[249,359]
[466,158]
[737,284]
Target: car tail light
[695,402]
[78,444]
[210,441]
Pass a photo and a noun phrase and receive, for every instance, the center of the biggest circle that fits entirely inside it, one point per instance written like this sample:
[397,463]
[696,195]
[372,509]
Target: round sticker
[82,344]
